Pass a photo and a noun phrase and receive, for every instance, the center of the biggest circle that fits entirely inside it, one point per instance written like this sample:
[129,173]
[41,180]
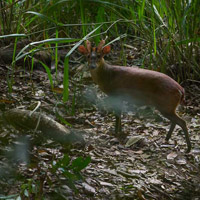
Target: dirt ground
[144,168]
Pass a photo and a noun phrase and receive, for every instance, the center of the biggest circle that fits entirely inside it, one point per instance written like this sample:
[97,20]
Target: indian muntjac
[136,85]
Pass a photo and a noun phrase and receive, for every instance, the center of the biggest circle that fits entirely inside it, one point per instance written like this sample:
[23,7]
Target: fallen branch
[21,119]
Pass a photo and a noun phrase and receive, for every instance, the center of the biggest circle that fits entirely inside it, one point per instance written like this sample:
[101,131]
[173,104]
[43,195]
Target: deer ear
[106,49]
[82,50]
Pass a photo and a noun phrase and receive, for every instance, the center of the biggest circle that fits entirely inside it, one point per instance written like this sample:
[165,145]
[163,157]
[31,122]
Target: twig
[160,191]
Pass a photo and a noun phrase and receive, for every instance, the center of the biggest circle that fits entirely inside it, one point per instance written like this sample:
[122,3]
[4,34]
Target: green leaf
[62,119]
[80,163]
[48,73]
[158,15]
[13,35]
[69,175]
[62,163]
[9,197]
[66,65]
[188,41]
[47,41]
[66,160]
[54,40]
[42,16]
[83,39]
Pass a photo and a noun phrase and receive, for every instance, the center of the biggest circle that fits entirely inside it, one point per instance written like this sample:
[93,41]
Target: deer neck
[101,75]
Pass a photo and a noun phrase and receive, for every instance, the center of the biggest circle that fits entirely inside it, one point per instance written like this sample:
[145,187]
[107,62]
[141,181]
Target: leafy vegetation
[167,31]
[165,35]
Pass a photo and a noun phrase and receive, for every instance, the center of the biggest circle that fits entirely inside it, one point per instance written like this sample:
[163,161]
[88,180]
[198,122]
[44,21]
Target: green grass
[166,34]
[169,31]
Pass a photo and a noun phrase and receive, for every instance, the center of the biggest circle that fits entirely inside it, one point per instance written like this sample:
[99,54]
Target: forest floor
[147,168]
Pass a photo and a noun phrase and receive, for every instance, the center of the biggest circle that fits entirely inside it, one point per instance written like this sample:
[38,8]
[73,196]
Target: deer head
[94,55]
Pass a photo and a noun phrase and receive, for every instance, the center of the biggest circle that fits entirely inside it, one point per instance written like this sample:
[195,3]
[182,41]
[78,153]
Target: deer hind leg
[175,119]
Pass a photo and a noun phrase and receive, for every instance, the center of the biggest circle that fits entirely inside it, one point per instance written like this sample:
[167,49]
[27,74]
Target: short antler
[99,48]
[88,46]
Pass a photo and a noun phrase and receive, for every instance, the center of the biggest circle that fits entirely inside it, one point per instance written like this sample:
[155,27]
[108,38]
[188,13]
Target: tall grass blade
[66,79]
[48,73]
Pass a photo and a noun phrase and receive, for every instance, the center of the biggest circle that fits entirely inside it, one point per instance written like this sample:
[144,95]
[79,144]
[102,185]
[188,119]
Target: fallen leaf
[89,188]
[171,156]
[133,140]
[106,184]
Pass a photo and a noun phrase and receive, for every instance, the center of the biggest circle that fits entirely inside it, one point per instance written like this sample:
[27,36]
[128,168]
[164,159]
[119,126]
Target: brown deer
[136,85]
